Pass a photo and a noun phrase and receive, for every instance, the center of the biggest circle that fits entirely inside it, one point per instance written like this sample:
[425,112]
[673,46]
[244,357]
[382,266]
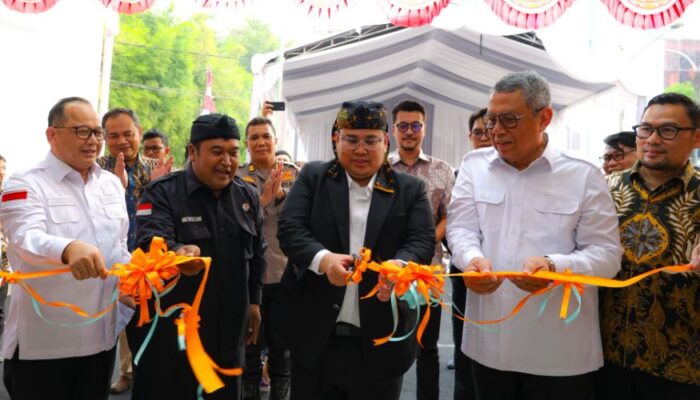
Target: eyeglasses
[353,142]
[84,132]
[479,133]
[508,120]
[667,132]
[617,156]
[152,149]
[415,126]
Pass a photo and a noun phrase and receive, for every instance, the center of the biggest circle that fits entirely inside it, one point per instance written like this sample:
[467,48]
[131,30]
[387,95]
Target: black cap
[214,126]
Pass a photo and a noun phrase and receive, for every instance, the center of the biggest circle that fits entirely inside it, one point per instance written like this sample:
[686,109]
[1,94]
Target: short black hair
[478,114]
[625,138]
[56,112]
[680,99]
[120,110]
[155,133]
[3,158]
[259,121]
[407,106]
[283,153]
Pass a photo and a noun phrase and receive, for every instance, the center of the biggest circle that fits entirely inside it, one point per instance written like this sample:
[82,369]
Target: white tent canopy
[450,72]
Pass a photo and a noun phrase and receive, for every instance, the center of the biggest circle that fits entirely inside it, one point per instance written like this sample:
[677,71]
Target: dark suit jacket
[316,217]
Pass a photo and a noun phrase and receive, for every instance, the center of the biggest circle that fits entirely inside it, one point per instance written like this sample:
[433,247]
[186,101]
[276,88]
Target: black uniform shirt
[227,228]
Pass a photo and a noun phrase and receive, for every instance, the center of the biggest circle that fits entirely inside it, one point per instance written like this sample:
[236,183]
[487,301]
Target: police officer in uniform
[272,180]
[204,210]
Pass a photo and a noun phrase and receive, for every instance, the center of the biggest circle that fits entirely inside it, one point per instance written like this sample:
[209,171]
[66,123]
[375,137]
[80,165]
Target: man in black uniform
[204,210]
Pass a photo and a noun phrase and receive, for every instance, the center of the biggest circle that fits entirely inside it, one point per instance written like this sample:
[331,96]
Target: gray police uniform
[278,355]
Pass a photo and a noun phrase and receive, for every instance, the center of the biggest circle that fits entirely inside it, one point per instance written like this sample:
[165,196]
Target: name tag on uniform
[191,219]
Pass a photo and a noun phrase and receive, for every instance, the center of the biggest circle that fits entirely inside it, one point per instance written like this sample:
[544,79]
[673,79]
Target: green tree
[159,70]
[687,88]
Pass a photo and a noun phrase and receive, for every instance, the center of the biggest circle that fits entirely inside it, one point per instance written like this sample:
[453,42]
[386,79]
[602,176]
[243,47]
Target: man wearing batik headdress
[334,209]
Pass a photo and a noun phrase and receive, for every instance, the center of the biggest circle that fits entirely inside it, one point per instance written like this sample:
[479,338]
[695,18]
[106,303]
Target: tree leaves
[160,64]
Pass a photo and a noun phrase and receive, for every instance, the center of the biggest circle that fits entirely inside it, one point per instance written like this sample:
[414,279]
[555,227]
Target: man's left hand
[192,267]
[532,265]
[385,286]
[254,318]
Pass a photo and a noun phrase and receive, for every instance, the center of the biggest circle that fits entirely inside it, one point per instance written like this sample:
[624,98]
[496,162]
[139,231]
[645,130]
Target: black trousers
[163,360]
[493,384]
[464,382]
[618,383]
[73,378]
[337,376]
[278,360]
[428,362]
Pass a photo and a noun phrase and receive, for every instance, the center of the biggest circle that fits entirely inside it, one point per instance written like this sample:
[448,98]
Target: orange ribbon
[430,280]
[156,271]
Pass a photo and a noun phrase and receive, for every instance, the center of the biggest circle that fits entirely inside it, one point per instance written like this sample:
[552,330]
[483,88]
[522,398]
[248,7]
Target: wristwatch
[550,264]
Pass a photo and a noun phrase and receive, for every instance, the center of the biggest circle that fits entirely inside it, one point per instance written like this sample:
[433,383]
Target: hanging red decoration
[128,6]
[223,3]
[324,7]
[646,14]
[29,6]
[414,13]
[529,14]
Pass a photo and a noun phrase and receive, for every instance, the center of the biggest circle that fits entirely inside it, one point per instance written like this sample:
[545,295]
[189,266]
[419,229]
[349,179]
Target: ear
[167,151]
[545,117]
[696,138]
[50,134]
[191,152]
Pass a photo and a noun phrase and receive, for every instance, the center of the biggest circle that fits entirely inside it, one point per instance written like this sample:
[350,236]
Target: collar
[191,181]
[59,169]
[394,157]
[352,185]
[684,176]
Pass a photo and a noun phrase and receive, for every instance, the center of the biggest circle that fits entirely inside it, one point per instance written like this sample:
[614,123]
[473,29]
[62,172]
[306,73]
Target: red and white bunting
[128,6]
[414,13]
[29,6]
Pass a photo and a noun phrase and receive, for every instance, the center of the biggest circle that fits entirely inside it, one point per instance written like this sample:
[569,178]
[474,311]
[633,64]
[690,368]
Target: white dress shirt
[360,198]
[558,206]
[59,207]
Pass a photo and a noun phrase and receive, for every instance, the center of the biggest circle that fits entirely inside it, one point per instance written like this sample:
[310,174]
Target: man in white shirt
[334,209]
[524,206]
[64,211]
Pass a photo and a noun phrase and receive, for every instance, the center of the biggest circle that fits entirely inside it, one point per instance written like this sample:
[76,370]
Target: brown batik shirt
[654,325]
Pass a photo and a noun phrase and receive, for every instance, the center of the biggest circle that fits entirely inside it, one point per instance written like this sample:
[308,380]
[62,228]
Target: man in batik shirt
[651,330]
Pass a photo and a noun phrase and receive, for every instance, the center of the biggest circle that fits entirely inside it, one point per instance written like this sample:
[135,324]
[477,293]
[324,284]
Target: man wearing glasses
[123,133]
[155,145]
[334,209]
[478,134]
[620,152]
[651,331]
[409,132]
[524,206]
[66,210]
